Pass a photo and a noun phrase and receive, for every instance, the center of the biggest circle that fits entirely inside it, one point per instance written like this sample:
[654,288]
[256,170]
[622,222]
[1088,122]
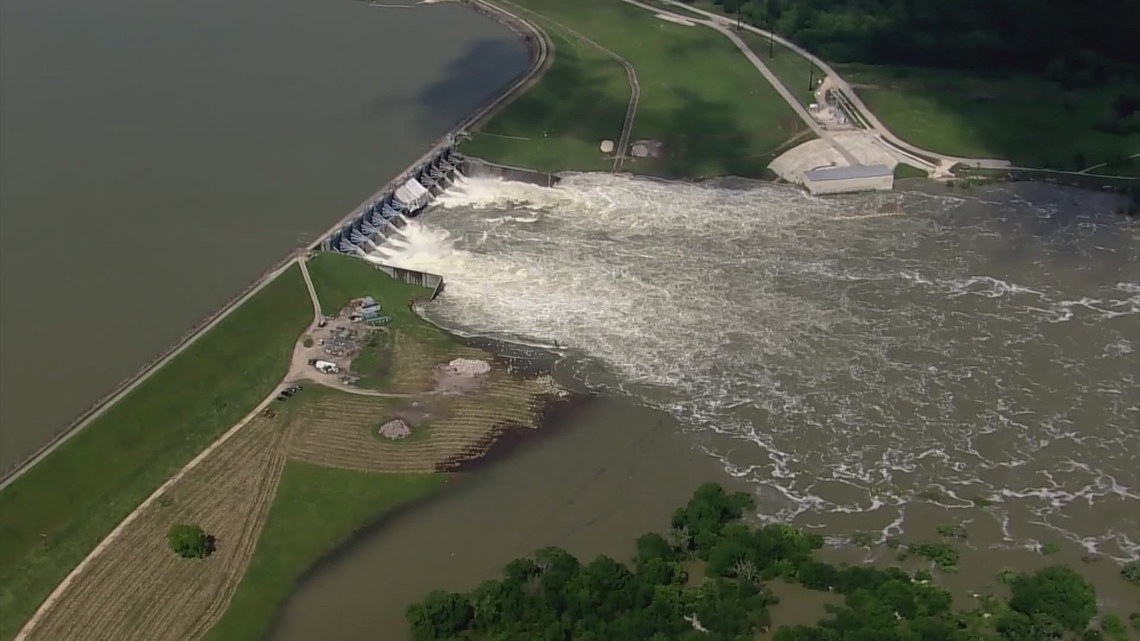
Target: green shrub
[189,541]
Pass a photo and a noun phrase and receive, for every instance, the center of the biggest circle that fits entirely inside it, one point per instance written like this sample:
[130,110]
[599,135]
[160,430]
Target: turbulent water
[846,355]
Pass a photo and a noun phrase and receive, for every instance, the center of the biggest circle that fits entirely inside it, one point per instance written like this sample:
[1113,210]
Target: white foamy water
[845,355]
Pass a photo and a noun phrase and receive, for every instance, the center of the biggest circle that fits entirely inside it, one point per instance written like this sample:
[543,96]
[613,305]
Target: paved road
[842,86]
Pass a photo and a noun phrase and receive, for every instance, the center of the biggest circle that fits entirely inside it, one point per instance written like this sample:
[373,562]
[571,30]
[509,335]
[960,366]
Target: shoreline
[539,60]
[555,416]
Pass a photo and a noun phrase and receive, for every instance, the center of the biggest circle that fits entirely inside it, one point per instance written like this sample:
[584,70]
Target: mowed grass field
[544,130]
[714,112]
[138,589]
[315,509]
[55,514]
[1028,120]
[340,430]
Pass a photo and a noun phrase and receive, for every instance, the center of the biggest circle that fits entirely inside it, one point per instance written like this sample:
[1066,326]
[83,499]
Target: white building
[327,367]
[843,180]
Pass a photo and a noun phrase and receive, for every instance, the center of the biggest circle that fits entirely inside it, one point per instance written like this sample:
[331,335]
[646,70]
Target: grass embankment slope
[544,130]
[57,512]
[715,113]
[1030,121]
[315,509]
[339,278]
[340,475]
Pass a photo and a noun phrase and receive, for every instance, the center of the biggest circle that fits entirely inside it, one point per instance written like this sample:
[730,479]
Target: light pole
[811,74]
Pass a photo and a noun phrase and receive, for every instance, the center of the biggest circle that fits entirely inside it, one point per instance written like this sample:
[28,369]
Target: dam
[380,219]
[376,229]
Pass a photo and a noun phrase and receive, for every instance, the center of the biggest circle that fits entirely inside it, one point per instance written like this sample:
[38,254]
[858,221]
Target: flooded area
[883,364]
[155,158]
[850,358]
[596,481]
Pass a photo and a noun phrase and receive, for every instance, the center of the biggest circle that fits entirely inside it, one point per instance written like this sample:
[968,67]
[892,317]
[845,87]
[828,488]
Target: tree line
[553,596]
[1091,41]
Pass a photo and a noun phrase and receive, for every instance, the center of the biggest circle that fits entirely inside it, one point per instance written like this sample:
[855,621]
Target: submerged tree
[552,596]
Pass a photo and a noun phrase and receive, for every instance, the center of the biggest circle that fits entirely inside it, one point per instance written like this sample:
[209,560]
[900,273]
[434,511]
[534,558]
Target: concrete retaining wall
[479,168]
[433,282]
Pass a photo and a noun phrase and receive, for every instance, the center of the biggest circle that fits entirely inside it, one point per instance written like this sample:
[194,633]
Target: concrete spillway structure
[378,221]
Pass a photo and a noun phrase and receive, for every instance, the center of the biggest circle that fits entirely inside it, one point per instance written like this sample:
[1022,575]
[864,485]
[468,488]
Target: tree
[1057,592]
[1131,570]
[441,615]
[189,541]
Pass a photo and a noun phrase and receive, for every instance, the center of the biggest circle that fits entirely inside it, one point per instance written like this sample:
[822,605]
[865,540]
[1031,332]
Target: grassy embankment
[795,72]
[339,278]
[55,514]
[715,113]
[544,130]
[340,476]
[1028,120]
[315,509]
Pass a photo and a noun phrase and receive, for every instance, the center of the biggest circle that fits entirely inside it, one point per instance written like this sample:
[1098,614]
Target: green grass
[793,70]
[544,130]
[339,278]
[373,362]
[715,113]
[316,509]
[53,516]
[903,170]
[1027,120]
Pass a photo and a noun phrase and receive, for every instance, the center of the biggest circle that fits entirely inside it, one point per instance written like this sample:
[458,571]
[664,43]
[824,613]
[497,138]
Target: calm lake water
[156,157]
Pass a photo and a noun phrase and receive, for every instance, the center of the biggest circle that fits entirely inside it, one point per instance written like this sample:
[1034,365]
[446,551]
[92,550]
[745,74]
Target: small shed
[368,301]
[845,180]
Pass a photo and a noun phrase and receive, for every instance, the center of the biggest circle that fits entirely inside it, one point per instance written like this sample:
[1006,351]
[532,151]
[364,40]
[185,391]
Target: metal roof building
[842,180]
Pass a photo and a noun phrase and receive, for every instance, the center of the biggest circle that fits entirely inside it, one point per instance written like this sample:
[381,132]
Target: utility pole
[771,28]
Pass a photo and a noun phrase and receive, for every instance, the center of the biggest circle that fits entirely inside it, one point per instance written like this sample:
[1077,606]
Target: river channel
[158,156]
[881,363]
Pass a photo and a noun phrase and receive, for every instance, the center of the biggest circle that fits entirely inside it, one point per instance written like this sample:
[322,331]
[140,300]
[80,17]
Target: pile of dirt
[395,430]
[468,367]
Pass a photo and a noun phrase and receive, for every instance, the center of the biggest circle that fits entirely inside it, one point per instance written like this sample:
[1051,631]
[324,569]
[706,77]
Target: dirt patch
[340,430]
[461,376]
[138,589]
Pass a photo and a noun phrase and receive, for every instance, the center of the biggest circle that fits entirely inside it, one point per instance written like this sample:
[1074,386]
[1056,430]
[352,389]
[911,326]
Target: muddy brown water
[155,157]
[608,473]
[882,363]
